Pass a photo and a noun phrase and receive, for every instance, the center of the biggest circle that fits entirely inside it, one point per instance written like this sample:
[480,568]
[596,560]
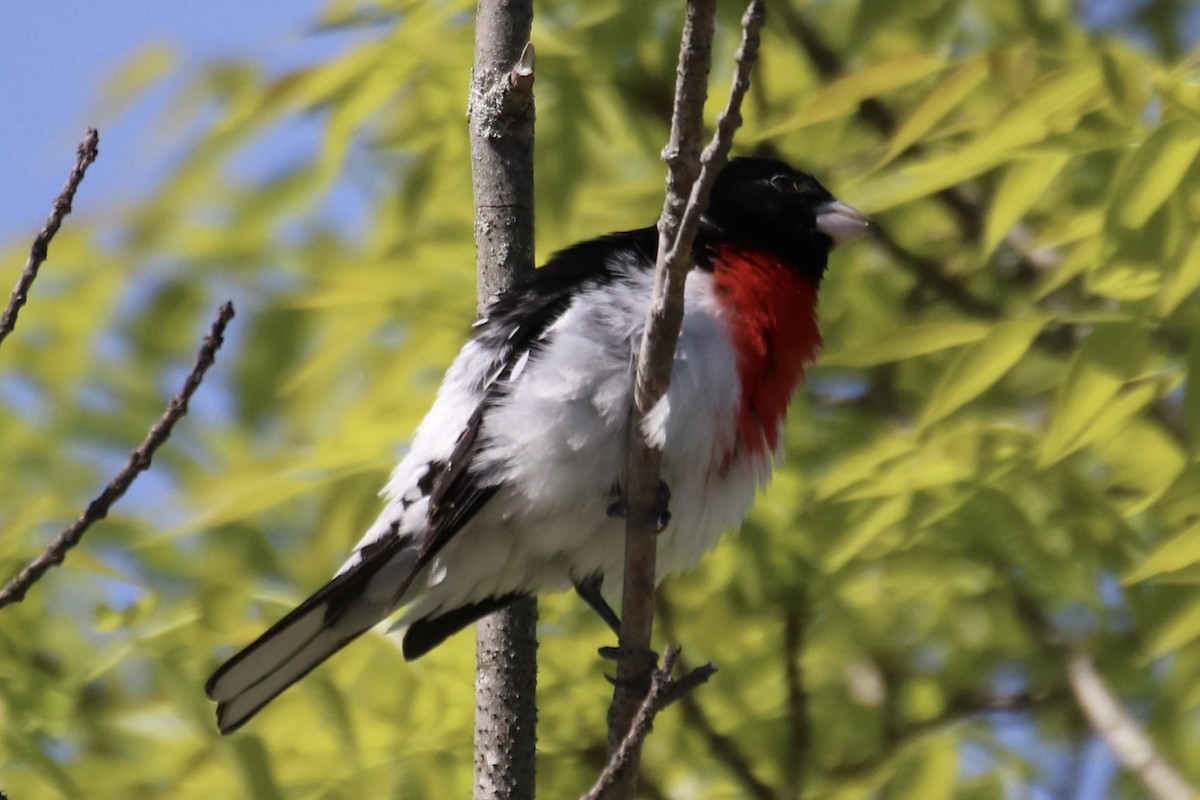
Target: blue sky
[54,59]
[56,55]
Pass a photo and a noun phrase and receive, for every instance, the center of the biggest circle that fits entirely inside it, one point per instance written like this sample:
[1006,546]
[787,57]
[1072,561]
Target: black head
[766,204]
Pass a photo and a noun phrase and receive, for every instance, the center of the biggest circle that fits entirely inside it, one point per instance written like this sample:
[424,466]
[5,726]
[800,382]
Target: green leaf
[1025,122]
[1021,186]
[1182,279]
[940,101]
[1152,172]
[1181,550]
[1180,629]
[864,529]
[937,768]
[908,342]
[1093,379]
[1127,75]
[136,75]
[1142,462]
[1108,421]
[1082,257]
[1122,279]
[1191,395]
[978,366]
[254,766]
[945,457]
[864,463]
[842,97]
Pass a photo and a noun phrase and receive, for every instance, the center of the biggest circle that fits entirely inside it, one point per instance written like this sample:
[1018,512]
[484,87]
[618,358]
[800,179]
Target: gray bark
[501,122]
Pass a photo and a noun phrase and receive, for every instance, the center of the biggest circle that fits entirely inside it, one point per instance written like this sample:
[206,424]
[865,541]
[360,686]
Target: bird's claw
[642,678]
[659,515]
[619,653]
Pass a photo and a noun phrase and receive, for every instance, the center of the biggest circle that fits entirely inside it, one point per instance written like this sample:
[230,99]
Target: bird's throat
[771,310]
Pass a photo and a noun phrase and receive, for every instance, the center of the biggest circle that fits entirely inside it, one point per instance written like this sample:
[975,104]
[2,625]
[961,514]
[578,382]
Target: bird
[512,485]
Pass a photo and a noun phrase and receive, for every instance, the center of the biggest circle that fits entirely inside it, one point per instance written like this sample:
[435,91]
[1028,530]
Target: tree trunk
[501,120]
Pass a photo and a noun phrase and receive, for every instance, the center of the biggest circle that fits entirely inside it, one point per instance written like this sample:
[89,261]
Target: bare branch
[726,751]
[795,625]
[931,275]
[663,691]
[959,709]
[1125,736]
[1114,723]
[682,155]
[721,747]
[139,462]
[501,116]
[691,175]
[88,150]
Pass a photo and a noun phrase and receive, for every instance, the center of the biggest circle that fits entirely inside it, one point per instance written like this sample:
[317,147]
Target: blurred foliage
[1004,410]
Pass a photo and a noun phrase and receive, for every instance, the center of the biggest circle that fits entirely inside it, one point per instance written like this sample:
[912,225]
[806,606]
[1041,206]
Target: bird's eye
[783,183]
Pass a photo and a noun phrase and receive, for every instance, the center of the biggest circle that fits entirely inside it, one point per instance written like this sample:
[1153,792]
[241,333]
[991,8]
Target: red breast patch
[772,315]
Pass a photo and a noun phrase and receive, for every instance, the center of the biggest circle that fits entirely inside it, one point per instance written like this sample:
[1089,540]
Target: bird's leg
[660,515]
[589,590]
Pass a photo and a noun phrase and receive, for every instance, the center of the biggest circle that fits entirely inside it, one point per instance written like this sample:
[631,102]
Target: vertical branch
[656,354]
[689,183]
[795,625]
[501,116]
[500,109]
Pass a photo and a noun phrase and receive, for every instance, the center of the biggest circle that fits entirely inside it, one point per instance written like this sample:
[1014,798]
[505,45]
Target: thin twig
[795,626]
[690,175]
[88,150]
[663,691]
[931,275]
[139,461]
[962,708]
[595,759]
[721,747]
[725,750]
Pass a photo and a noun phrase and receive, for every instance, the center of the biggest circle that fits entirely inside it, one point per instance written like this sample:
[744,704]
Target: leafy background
[999,441]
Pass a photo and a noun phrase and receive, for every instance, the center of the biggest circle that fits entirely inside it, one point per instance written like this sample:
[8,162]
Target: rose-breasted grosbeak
[513,476]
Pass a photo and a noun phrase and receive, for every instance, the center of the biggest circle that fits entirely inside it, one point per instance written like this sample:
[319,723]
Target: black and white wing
[436,493]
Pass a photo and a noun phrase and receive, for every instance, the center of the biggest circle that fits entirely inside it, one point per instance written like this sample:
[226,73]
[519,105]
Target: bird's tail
[339,612]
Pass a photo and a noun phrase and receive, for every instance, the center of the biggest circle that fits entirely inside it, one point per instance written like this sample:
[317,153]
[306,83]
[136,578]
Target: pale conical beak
[843,223]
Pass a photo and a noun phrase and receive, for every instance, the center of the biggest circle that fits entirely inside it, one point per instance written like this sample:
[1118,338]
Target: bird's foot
[641,678]
[659,515]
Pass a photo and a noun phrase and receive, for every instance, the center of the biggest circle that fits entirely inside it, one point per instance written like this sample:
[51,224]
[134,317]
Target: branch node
[524,66]
[688,683]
